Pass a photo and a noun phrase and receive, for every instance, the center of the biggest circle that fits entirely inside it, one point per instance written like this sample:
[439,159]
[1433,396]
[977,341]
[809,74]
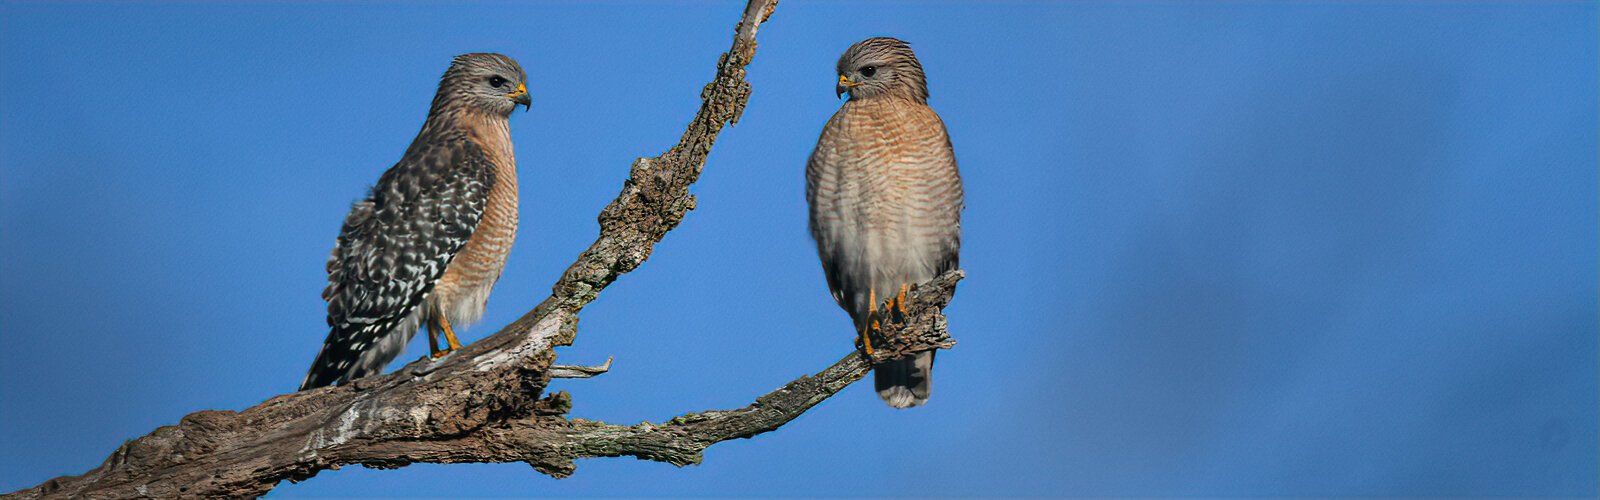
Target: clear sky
[1243,249]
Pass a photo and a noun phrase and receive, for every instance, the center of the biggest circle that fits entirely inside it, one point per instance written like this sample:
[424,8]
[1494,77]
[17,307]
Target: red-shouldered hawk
[885,199]
[428,243]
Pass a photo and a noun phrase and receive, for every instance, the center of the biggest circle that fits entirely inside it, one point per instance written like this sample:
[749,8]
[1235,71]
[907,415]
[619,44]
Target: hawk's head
[881,66]
[487,82]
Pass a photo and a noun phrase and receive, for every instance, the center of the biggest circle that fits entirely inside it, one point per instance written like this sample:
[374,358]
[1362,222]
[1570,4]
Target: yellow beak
[843,86]
[521,96]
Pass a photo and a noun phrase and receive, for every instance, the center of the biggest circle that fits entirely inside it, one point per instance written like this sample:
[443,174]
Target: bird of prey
[885,199]
[430,239]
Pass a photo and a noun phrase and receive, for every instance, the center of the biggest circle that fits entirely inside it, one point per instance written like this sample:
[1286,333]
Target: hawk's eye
[869,71]
[497,81]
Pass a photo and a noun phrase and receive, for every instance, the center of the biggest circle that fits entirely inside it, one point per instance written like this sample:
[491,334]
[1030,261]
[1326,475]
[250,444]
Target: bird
[885,200]
[426,245]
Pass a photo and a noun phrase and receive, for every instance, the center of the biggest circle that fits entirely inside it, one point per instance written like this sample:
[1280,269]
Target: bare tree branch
[482,403]
[578,371]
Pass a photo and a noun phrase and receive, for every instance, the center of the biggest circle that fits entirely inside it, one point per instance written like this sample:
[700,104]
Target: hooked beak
[521,97]
[843,86]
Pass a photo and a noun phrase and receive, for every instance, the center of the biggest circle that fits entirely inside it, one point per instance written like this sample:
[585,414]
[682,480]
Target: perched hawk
[427,244]
[885,199]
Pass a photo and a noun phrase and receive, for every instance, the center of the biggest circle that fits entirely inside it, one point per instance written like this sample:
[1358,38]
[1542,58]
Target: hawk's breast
[464,289]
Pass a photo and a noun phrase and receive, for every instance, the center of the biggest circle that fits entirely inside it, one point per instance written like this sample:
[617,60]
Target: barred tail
[905,382]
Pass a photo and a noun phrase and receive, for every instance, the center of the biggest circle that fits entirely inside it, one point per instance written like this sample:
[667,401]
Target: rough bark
[483,403]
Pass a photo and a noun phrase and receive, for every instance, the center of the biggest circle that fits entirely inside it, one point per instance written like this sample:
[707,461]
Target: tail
[337,363]
[314,380]
[355,350]
[905,382]
[325,370]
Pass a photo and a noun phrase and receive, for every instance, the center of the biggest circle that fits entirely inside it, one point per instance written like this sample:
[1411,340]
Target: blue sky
[1242,249]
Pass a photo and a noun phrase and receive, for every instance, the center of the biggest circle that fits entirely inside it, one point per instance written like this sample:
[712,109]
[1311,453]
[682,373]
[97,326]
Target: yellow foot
[866,341]
[449,338]
[870,324]
[449,334]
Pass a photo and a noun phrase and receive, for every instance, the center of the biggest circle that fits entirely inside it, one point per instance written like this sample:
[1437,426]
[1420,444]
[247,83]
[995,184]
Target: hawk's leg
[870,324]
[449,337]
[432,326]
[433,338]
[900,301]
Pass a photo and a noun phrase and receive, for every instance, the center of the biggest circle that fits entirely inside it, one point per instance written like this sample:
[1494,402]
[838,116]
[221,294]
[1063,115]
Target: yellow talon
[449,337]
[866,341]
[870,323]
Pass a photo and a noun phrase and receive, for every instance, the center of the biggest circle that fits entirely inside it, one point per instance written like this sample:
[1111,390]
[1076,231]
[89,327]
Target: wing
[940,198]
[393,248]
[832,193]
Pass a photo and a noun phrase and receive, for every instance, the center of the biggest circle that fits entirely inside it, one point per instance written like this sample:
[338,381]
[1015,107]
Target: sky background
[1228,250]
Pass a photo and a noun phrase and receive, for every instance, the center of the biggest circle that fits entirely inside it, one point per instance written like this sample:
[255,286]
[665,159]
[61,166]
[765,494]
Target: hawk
[885,199]
[430,239]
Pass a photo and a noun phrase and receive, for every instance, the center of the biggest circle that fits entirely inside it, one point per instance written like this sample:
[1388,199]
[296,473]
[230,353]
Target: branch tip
[579,371]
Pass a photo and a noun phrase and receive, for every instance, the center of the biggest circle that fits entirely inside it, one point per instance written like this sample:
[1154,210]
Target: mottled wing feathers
[393,248]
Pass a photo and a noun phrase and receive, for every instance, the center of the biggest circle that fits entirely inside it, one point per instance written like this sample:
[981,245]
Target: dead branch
[578,371]
[482,403]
